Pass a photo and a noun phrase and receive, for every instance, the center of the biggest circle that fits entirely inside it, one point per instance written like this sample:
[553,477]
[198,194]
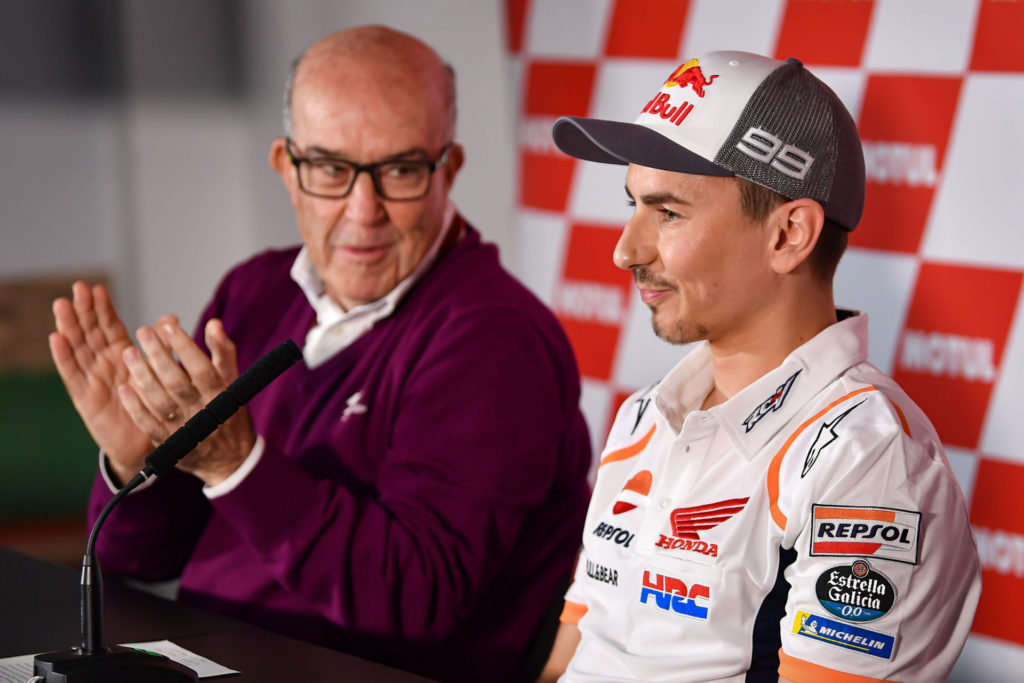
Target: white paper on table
[20,669]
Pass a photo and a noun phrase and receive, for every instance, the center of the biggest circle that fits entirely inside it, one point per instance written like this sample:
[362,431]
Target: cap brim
[616,142]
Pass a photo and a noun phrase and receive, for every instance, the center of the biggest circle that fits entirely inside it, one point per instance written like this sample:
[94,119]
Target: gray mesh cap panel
[771,122]
[801,142]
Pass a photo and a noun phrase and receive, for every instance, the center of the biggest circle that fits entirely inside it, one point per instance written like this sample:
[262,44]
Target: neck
[742,358]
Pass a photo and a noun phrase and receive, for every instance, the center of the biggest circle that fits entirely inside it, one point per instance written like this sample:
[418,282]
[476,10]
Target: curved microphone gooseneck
[93,661]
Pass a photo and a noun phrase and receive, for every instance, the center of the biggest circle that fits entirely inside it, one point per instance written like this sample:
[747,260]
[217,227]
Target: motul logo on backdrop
[901,163]
[951,348]
[590,302]
[948,355]
[591,298]
[1000,551]
[999,530]
[535,135]
[552,89]
[905,123]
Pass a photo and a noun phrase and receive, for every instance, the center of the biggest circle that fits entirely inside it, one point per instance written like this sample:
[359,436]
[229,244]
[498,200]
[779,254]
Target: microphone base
[117,664]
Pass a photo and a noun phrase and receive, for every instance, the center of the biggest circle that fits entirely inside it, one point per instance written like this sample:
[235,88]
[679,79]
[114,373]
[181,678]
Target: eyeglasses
[334,178]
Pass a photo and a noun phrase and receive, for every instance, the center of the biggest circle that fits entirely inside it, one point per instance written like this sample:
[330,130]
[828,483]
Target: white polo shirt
[824,465]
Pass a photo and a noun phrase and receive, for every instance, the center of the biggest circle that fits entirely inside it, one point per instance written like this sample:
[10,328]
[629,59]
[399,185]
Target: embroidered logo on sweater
[353,406]
[770,404]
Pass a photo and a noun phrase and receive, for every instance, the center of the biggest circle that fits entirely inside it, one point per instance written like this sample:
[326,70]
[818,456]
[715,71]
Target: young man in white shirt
[775,508]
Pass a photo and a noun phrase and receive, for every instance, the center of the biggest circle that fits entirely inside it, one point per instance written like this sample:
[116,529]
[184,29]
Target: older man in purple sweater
[414,491]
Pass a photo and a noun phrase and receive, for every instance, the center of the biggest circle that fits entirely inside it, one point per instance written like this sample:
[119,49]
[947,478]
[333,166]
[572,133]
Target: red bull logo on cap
[688,74]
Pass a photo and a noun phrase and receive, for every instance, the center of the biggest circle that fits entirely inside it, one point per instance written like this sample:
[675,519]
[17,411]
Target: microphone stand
[92,662]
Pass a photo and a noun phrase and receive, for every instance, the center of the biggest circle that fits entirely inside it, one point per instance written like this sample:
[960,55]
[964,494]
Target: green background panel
[47,458]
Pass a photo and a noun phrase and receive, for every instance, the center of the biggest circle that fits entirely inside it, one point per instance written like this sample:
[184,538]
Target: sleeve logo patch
[848,637]
[855,592]
[873,532]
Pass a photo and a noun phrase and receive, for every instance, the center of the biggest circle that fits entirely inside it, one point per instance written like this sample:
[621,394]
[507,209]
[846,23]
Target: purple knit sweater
[431,531]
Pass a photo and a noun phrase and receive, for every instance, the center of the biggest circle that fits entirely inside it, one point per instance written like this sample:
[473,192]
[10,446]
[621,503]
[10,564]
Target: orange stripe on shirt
[572,612]
[847,513]
[629,451]
[776,464]
[903,419]
[805,672]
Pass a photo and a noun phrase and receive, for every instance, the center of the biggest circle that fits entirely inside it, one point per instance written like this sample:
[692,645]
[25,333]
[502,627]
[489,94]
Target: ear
[456,157]
[796,226]
[279,161]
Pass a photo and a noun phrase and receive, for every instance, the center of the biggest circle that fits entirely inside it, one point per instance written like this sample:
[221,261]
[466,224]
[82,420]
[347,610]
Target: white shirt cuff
[239,475]
[105,473]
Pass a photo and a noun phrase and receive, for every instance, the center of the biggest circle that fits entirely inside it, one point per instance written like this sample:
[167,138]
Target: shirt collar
[755,414]
[347,326]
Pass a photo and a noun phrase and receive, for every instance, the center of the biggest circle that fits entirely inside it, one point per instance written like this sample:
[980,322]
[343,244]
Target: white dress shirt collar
[336,329]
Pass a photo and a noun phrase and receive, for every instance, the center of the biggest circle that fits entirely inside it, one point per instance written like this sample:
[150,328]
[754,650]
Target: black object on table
[39,612]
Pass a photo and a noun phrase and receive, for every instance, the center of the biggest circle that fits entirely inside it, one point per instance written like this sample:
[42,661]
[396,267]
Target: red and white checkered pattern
[938,260]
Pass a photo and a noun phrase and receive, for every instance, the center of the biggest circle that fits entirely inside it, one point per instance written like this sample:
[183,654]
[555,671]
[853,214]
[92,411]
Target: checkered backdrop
[937,89]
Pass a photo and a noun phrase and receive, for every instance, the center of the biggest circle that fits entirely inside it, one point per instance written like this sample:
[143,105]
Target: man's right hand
[87,349]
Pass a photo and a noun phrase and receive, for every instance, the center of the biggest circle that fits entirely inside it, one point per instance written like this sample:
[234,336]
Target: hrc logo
[671,595]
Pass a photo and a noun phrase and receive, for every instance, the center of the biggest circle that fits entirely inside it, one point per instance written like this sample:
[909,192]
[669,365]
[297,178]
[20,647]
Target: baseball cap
[731,113]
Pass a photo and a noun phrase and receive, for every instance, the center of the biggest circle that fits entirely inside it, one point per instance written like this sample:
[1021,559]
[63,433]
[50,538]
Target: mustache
[643,276]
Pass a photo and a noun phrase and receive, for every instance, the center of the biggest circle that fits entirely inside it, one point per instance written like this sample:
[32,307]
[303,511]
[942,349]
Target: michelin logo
[843,635]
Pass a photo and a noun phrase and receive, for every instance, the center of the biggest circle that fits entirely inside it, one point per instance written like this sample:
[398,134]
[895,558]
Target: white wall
[166,193]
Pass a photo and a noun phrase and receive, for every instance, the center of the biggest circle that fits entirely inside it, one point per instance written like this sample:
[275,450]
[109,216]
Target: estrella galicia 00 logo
[856,592]
[843,635]
[672,595]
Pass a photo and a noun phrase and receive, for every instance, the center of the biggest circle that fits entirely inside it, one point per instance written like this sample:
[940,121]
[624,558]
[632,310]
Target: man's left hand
[186,384]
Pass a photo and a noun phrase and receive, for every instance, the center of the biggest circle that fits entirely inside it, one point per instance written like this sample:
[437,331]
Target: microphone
[92,662]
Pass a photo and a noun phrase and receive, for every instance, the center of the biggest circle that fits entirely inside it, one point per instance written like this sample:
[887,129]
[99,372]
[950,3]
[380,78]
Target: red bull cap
[739,114]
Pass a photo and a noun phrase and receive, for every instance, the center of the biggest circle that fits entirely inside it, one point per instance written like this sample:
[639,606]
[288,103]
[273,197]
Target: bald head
[374,53]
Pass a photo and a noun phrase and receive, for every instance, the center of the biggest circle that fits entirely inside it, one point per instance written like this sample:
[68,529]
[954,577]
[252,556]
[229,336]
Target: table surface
[39,612]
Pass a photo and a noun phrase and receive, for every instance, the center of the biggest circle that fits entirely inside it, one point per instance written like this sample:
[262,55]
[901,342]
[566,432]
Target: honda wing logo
[687,523]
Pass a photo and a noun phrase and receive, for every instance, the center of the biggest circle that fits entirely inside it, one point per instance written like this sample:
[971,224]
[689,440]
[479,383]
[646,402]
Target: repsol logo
[949,355]
[672,595]
[614,534]
[864,532]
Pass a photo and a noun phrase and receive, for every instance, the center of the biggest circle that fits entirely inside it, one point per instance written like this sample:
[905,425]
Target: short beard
[677,333]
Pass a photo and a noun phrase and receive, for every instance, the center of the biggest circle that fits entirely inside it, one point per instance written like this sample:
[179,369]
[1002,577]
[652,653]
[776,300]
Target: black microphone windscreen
[261,373]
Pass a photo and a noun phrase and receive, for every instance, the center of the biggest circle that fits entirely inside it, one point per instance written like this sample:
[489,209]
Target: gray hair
[289,85]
